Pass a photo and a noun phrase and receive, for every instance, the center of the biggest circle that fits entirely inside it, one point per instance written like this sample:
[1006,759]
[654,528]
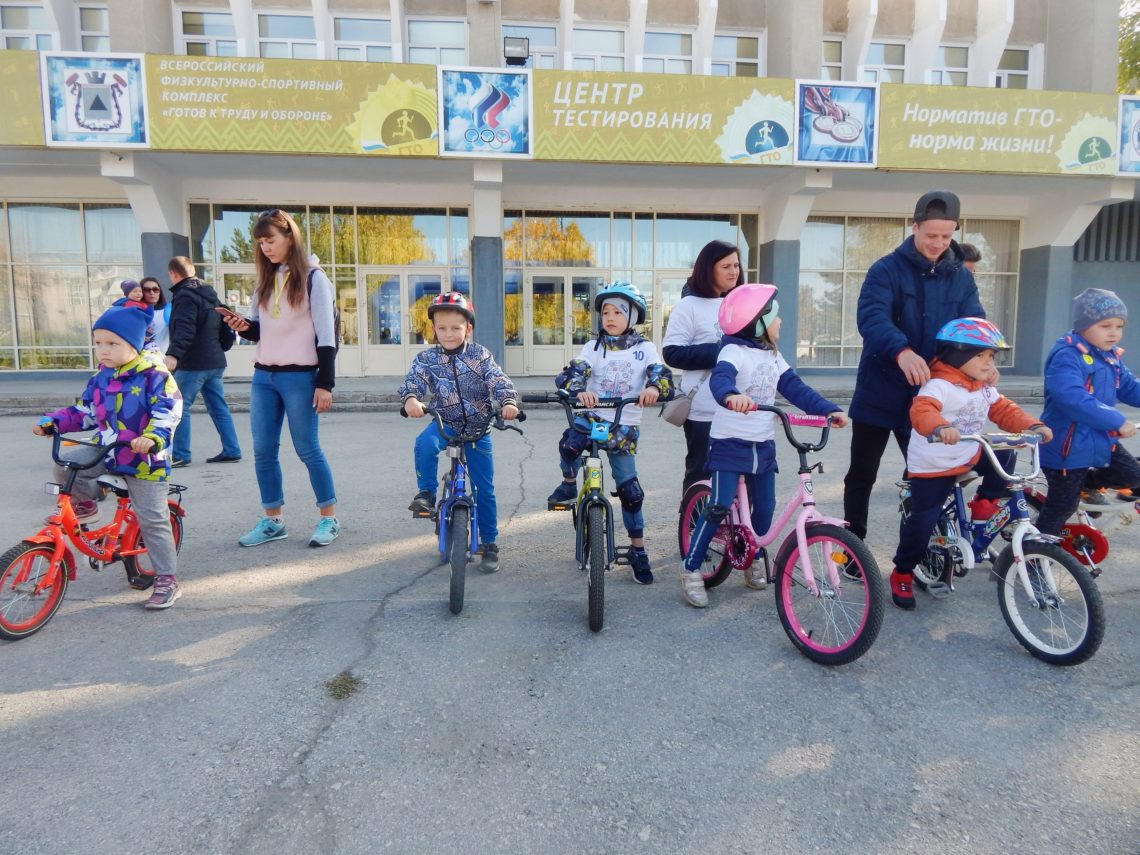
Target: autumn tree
[1128,71]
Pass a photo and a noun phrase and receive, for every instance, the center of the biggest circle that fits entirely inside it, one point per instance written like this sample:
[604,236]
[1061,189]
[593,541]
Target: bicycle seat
[117,484]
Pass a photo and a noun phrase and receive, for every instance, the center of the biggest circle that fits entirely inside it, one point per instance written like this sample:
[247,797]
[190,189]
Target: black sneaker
[565,492]
[639,563]
[490,562]
[423,503]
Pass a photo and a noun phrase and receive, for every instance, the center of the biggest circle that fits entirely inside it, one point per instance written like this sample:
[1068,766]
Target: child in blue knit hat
[1085,376]
[129,398]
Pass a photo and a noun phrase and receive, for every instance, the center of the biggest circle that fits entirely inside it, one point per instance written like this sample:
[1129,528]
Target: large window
[60,268]
[835,254]
[598,50]
[885,63]
[736,56]
[368,39]
[668,53]
[287,36]
[831,60]
[950,66]
[543,43]
[1013,69]
[25,27]
[437,42]
[94,29]
[208,34]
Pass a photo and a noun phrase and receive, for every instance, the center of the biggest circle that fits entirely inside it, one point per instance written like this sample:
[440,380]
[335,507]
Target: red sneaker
[902,590]
[982,509]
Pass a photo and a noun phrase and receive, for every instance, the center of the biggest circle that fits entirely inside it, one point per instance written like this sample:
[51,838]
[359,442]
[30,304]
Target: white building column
[786,206]
[323,27]
[396,15]
[703,37]
[861,17]
[245,27]
[566,32]
[635,50]
[929,24]
[995,20]
[158,205]
[63,18]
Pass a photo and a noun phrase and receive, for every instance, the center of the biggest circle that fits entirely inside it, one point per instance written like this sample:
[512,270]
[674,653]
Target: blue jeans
[480,468]
[761,492]
[623,467]
[273,396]
[209,383]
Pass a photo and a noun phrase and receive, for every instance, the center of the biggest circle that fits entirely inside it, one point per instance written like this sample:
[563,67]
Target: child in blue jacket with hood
[1085,376]
[749,371]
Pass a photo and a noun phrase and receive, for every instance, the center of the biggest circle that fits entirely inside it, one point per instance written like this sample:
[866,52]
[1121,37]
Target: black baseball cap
[937,205]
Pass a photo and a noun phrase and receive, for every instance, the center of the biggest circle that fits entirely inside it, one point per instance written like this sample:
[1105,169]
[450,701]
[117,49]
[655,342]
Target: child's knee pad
[572,444]
[631,495]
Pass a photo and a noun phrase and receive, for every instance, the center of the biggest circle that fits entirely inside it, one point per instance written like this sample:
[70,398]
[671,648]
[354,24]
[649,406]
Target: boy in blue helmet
[958,399]
[615,365]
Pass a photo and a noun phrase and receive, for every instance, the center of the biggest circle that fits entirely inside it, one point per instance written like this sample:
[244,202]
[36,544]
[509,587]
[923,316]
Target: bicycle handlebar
[570,403]
[1007,440]
[496,422]
[57,440]
[800,419]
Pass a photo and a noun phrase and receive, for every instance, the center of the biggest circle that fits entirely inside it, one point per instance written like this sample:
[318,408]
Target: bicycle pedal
[560,506]
[423,515]
[621,555]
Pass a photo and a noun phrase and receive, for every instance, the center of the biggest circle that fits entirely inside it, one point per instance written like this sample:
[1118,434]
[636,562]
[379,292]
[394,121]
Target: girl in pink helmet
[749,371]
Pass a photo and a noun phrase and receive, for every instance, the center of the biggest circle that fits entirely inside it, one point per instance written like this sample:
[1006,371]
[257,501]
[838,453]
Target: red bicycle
[34,574]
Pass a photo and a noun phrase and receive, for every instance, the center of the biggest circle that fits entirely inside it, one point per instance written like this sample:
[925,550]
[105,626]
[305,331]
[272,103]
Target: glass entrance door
[558,318]
[235,289]
[393,322]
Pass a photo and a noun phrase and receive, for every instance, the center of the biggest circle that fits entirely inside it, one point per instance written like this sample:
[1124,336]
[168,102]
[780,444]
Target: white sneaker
[693,589]
[755,577]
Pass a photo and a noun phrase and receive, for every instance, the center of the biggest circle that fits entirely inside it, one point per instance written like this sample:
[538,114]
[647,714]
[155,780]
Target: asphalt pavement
[512,727]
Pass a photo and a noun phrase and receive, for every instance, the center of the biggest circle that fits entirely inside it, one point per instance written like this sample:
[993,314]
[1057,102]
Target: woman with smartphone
[292,322]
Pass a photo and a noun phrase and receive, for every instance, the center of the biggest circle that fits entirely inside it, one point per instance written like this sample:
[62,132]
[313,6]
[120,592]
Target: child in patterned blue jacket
[617,364]
[462,378]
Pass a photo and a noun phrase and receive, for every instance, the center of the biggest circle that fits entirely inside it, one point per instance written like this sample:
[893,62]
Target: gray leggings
[148,499]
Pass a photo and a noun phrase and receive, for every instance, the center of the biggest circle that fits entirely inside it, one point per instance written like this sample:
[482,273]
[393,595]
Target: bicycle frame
[593,493]
[804,498]
[455,494]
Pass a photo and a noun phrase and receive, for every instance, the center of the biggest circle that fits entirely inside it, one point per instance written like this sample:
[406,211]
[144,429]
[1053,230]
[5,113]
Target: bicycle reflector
[599,431]
[52,489]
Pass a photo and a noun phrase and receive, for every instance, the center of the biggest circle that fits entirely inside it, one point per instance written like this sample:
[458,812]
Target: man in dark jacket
[196,357]
[906,298]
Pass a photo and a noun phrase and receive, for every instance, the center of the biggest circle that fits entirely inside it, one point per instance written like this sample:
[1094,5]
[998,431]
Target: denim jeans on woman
[275,396]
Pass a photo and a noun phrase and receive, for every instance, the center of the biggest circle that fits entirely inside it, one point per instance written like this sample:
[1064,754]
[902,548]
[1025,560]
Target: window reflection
[112,233]
[399,236]
[512,307]
[681,236]
[385,324]
[45,234]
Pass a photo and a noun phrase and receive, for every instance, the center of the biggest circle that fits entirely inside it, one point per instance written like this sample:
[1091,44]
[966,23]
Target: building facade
[532,239]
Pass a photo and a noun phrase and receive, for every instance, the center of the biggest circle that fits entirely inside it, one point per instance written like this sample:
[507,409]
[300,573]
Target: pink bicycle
[829,592]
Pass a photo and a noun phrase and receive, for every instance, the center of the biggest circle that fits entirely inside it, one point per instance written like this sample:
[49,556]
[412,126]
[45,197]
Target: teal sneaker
[265,531]
[327,530]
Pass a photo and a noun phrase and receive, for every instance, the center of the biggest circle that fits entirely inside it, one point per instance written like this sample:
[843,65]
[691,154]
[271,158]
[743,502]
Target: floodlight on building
[516,50]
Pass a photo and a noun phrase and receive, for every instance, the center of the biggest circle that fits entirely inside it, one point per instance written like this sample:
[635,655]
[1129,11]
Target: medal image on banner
[836,124]
[93,100]
[1129,154]
[485,113]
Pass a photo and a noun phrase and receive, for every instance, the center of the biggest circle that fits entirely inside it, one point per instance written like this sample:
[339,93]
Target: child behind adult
[615,365]
[463,379]
[749,371]
[1085,377]
[957,399]
[129,398]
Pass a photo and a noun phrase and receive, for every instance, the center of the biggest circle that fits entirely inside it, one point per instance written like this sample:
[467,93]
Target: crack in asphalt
[522,479]
[282,795]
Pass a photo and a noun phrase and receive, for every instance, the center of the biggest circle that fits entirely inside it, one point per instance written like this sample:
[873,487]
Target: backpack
[336,311]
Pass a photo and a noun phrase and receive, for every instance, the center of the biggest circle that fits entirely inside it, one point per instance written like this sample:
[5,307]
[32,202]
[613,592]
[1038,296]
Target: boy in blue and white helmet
[616,364]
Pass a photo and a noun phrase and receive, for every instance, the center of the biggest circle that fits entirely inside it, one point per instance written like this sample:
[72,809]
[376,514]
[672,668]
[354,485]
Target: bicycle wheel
[717,567]
[23,610]
[929,570]
[458,538]
[140,569]
[1063,622]
[839,624]
[596,554]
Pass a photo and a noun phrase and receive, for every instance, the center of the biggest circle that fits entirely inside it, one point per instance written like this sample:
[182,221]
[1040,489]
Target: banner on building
[1129,137]
[236,104]
[20,102]
[836,123]
[94,100]
[485,112]
[662,118]
[976,129]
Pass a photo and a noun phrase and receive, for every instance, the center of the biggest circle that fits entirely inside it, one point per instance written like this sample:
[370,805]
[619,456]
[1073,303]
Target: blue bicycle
[456,514]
